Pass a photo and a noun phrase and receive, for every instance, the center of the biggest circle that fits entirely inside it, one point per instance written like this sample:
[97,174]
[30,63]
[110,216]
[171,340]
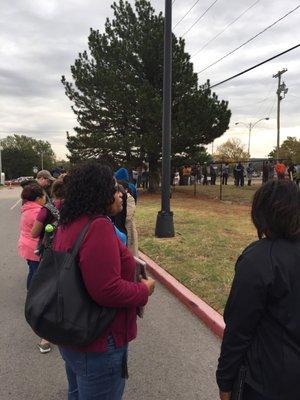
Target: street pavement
[174,357]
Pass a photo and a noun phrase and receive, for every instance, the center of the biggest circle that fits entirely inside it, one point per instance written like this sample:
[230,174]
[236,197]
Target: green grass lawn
[229,192]
[209,237]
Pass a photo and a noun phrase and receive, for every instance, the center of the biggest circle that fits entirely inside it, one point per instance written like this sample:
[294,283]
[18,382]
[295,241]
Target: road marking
[15,205]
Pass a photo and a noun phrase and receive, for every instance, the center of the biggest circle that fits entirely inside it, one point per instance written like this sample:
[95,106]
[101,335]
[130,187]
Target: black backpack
[58,307]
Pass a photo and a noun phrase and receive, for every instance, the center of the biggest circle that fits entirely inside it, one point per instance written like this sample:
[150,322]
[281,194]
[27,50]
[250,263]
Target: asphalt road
[173,358]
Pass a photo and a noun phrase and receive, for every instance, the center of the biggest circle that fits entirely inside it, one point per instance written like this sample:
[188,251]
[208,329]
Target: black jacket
[262,317]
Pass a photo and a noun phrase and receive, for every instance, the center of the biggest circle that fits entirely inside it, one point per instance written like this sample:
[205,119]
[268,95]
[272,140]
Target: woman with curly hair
[261,345]
[98,370]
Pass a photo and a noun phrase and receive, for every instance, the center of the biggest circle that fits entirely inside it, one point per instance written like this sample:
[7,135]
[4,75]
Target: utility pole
[164,222]
[42,160]
[281,89]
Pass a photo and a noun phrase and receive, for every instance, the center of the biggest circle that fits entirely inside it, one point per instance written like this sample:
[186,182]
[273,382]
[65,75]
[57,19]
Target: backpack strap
[81,236]
[53,210]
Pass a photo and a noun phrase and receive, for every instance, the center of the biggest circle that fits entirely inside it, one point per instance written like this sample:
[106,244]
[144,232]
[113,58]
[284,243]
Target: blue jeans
[96,376]
[33,266]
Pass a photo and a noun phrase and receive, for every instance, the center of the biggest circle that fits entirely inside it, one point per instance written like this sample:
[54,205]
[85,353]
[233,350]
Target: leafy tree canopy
[117,91]
[21,153]
[289,150]
[231,151]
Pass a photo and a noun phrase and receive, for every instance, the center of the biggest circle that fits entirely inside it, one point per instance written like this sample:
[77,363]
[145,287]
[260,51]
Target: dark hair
[58,189]
[276,210]
[28,182]
[89,189]
[32,192]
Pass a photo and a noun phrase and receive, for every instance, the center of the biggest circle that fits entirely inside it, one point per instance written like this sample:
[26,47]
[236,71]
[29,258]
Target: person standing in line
[260,351]
[280,169]
[271,170]
[204,173]
[135,176]
[145,179]
[297,173]
[119,219]
[213,170]
[132,234]
[225,173]
[239,174]
[235,175]
[186,173]
[265,172]
[123,175]
[291,171]
[45,180]
[34,198]
[98,371]
[199,173]
[250,171]
[49,214]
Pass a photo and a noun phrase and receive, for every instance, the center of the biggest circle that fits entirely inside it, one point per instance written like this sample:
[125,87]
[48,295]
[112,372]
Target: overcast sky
[40,39]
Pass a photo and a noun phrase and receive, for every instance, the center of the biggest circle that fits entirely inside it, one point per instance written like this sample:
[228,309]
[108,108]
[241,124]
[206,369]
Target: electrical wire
[255,66]
[249,40]
[226,27]
[187,13]
[198,19]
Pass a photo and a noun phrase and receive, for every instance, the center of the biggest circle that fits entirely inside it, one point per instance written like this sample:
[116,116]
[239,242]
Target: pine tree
[117,92]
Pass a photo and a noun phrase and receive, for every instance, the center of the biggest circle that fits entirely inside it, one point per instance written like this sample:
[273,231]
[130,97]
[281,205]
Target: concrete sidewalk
[174,357]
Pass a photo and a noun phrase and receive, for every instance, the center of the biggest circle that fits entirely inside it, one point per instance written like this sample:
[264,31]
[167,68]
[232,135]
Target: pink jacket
[27,245]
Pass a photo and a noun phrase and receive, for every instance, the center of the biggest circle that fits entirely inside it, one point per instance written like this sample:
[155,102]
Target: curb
[211,318]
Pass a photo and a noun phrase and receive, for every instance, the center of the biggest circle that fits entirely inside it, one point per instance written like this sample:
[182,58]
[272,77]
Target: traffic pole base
[164,225]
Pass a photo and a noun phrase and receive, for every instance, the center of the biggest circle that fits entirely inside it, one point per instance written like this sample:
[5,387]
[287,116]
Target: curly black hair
[89,189]
[276,210]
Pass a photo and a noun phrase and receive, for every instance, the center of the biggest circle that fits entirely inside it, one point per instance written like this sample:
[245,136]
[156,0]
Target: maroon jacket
[108,271]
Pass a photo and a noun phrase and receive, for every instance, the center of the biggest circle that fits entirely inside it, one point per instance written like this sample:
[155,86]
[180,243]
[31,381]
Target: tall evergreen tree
[117,92]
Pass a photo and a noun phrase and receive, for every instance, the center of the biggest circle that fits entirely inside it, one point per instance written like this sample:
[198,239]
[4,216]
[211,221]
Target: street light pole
[250,127]
[42,160]
[249,138]
[164,222]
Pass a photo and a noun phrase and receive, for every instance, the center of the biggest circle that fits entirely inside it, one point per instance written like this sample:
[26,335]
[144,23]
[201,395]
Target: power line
[201,16]
[250,40]
[226,27]
[186,14]
[255,66]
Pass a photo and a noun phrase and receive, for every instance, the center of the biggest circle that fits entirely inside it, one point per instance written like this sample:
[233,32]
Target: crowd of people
[53,215]
[207,174]
[260,352]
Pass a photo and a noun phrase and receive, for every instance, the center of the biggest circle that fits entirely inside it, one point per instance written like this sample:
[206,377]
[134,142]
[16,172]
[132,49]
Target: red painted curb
[211,318]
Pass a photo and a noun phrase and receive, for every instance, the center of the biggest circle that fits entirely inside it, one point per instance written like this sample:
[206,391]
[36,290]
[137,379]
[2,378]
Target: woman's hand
[150,283]
[225,395]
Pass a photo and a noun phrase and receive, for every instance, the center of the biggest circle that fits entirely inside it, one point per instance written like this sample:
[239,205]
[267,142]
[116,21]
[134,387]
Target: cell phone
[140,272]
[141,268]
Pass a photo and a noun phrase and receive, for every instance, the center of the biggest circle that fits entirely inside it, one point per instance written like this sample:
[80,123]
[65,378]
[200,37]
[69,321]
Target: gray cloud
[40,39]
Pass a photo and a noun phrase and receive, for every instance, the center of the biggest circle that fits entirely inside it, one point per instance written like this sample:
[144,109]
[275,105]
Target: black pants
[251,394]
[224,179]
